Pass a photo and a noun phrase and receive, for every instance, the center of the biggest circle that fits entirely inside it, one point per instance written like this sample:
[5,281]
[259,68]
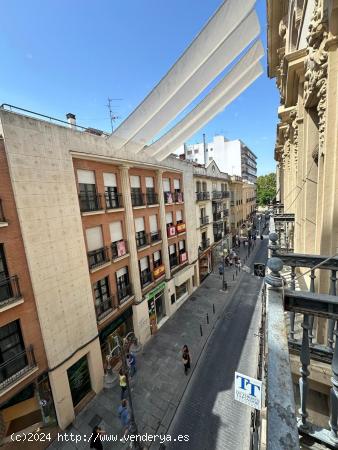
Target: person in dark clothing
[186,359]
[95,440]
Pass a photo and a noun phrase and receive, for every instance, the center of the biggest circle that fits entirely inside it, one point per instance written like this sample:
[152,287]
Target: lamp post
[133,427]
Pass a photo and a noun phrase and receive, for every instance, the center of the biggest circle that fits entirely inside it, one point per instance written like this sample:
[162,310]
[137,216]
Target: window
[198,186]
[179,216]
[151,195]
[166,184]
[110,189]
[89,200]
[189,152]
[169,219]
[157,259]
[141,237]
[145,273]
[5,285]
[97,254]
[172,256]
[154,232]
[177,185]
[136,193]
[103,301]
[204,186]
[196,150]
[181,290]
[118,243]
[122,283]
[12,351]
[181,247]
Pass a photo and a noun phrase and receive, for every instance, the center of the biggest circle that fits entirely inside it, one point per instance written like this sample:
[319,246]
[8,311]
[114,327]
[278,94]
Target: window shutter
[109,179]
[157,256]
[94,238]
[178,215]
[176,183]
[135,181]
[169,217]
[153,223]
[181,245]
[144,263]
[172,249]
[149,182]
[139,224]
[85,176]
[115,231]
[166,185]
[121,272]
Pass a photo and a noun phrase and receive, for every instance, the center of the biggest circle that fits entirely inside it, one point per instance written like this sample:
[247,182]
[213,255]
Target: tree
[266,189]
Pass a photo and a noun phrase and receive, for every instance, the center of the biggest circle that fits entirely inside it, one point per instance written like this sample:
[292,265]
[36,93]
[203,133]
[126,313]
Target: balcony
[200,196]
[90,202]
[225,213]
[180,227]
[217,195]
[97,258]
[2,216]
[113,200]
[168,197]
[152,198]
[146,278]
[124,293]
[204,244]
[9,291]
[225,194]
[217,236]
[119,249]
[179,197]
[173,261]
[217,216]
[137,199]
[142,239]
[104,308]
[155,236]
[171,231]
[300,333]
[158,271]
[204,220]
[16,368]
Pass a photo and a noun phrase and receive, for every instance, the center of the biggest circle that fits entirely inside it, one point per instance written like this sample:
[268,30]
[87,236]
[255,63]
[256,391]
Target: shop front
[205,264]
[156,307]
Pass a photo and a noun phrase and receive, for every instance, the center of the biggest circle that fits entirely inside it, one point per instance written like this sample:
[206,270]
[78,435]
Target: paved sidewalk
[159,384]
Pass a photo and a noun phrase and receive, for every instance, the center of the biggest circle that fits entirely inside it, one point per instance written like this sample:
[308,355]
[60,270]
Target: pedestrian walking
[124,417]
[95,440]
[220,269]
[123,384]
[186,359]
[131,362]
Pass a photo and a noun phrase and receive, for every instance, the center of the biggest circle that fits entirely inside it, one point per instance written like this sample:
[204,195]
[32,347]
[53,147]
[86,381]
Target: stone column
[163,225]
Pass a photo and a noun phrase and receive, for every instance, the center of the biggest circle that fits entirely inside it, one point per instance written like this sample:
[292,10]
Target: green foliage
[266,188]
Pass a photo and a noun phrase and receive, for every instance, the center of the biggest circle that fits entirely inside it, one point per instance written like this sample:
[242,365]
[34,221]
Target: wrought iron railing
[137,199]
[16,367]
[104,308]
[179,198]
[142,239]
[152,198]
[217,216]
[225,194]
[216,195]
[146,277]
[9,290]
[90,202]
[113,200]
[200,196]
[205,244]
[119,248]
[155,236]
[169,197]
[225,212]
[98,257]
[124,293]
[204,220]
[173,260]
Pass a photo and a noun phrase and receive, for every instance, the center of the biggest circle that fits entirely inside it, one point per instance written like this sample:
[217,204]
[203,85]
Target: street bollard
[207,318]
[201,331]
[213,308]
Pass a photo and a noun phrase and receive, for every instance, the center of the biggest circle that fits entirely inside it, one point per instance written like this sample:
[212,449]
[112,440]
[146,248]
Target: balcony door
[122,283]
[87,190]
[5,286]
[12,356]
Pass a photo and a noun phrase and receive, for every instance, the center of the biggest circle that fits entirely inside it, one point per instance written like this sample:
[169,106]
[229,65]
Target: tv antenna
[112,115]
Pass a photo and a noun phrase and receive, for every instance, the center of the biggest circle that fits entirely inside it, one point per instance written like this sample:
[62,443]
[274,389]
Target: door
[79,380]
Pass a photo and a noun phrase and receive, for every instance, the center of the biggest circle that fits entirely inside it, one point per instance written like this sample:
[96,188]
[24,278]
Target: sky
[60,57]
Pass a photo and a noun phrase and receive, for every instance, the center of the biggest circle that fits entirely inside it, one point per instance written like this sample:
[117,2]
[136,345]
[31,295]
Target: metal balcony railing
[98,257]
[2,216]
[142,239]
[225,194]
[217,216]
[179,198]
[169,197]
[113,200]
[217,236]
[16,367]
[155,236]
[216,195]
[138,199]
[146,277]
[152,198]
[104,308]
[204,220]
[90,202]
[9,290]
[200,196]
[204,244]
[173,260]
[119,248]
[304,308]
[124,293]
[225,213]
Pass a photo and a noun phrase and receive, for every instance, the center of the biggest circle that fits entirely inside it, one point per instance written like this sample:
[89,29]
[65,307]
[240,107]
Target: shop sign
[248,390]
[180,227]
[155,291]
[183,257]
[171,231]
[158,271]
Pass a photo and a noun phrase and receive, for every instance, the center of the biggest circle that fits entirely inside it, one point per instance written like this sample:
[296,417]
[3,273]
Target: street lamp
[133,427]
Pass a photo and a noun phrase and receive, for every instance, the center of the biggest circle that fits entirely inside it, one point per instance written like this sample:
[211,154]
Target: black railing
[173,261]
[217,236]
[216,195]
[204,220]
[90,202]
[205,244]
[16,367]
[142,239]
[119,248]
[97,257]
[155,236]
[9,290]
[113,200]
[104,308]
[2,216]
[137,199]
[179,197]
[202,196]
[225,212]
[169,197]
[124,292]
[146,277]
[152,198]
[217,216]
[225,194]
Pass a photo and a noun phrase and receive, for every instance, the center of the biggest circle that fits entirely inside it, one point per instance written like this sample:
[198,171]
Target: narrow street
[208,412]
